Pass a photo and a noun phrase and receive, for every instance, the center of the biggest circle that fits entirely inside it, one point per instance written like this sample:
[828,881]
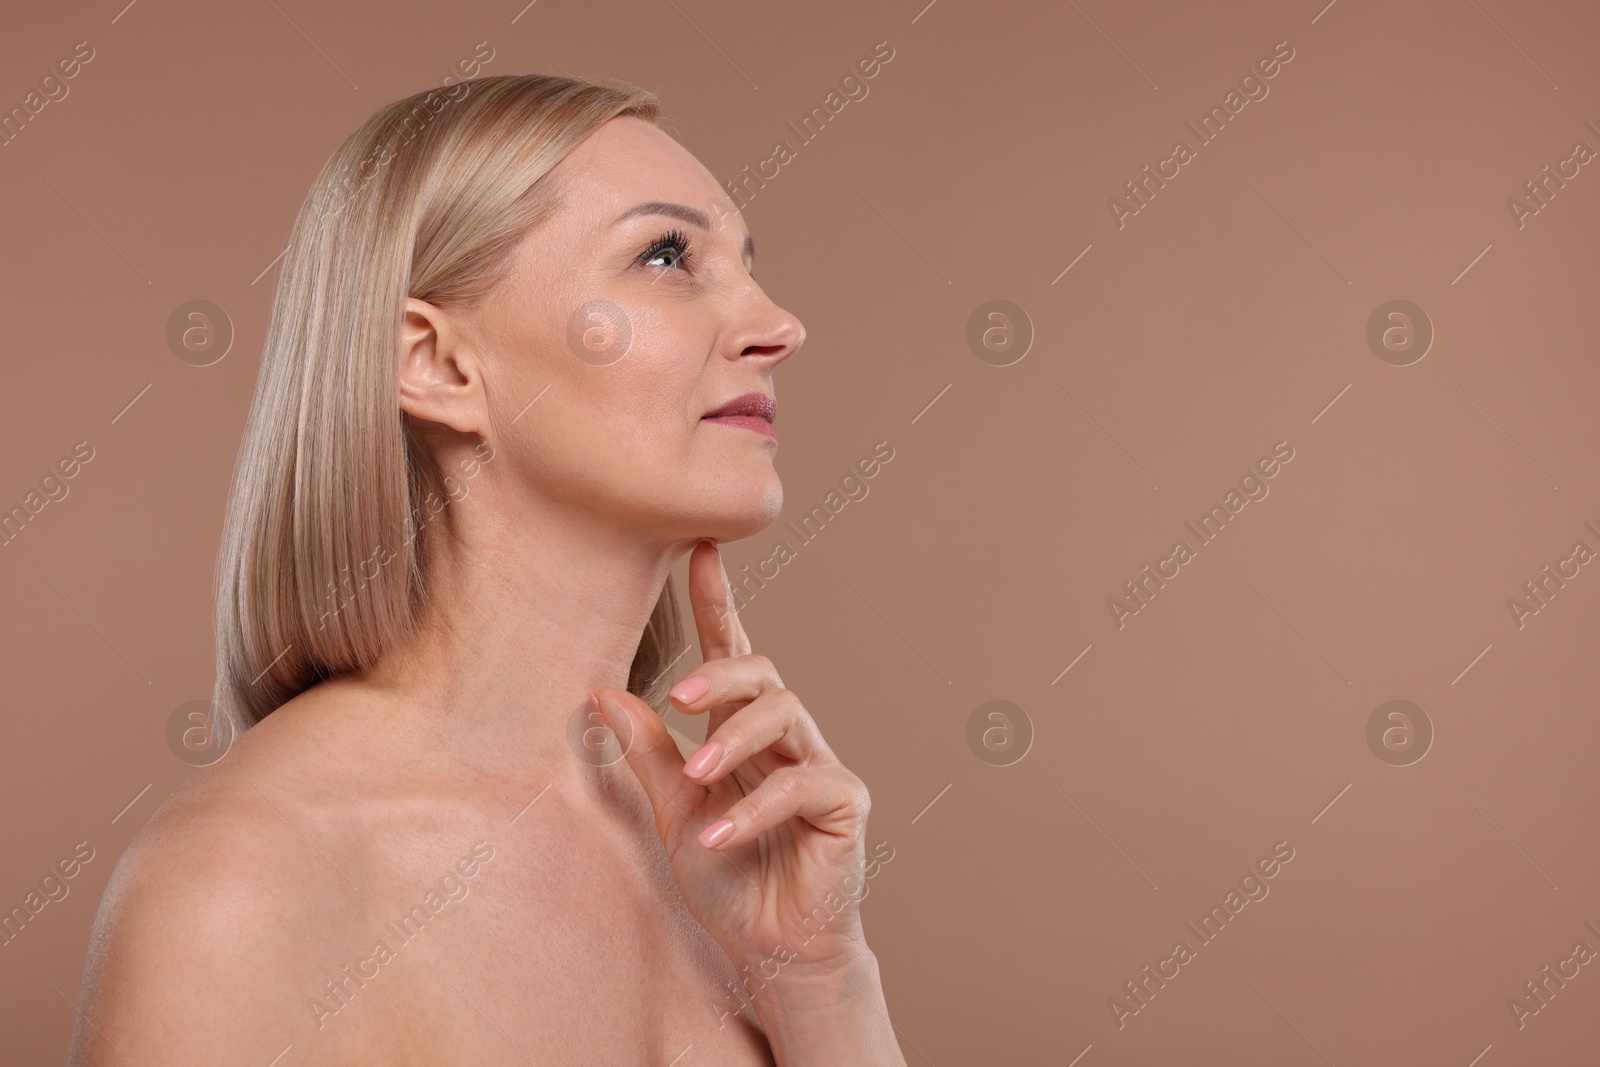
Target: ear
[441,380]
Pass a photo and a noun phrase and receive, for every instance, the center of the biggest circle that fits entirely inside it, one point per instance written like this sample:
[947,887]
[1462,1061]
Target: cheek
[651,405]
[652,433]
[624,427]
[652,397]
[618,427]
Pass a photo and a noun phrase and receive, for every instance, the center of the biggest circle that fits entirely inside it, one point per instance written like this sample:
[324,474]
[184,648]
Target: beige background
[1228,315]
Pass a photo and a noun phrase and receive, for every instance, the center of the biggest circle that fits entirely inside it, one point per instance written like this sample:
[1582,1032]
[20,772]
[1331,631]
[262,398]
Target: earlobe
[439,381]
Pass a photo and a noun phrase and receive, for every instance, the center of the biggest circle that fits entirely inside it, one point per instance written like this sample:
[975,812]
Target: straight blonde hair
[427,200]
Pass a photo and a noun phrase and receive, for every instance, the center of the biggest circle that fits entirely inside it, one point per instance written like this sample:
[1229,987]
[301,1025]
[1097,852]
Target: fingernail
[702,762]
[594,706]
[690,689]
[716,833]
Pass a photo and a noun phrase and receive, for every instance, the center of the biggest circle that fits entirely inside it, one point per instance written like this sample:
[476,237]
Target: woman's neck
[525,614]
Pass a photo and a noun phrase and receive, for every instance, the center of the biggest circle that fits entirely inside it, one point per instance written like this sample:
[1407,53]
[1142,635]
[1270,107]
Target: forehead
[628,162]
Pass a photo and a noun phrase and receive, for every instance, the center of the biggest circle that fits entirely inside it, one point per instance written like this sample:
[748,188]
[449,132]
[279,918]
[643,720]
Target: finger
[775,722]
[831,799]
[715,620]
[651,754]
[734,680]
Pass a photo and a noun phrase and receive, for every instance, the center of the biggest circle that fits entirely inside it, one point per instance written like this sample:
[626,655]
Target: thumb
[651,753]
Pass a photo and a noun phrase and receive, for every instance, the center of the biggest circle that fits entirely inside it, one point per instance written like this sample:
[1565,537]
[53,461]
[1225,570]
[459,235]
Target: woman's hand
[763,826]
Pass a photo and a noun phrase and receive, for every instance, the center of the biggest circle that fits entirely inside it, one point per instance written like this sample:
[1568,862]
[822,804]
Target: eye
[671,249]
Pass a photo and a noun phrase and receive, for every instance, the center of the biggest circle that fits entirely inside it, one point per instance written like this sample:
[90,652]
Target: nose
[770,334]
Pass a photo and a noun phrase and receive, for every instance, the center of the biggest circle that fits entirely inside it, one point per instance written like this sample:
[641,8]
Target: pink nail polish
[690,689]
[716,833]
[703,761]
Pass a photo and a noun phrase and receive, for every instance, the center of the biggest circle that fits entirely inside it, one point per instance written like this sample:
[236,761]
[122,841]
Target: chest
[550,951]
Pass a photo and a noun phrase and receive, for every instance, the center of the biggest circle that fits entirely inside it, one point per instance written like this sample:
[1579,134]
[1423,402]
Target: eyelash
[672,241]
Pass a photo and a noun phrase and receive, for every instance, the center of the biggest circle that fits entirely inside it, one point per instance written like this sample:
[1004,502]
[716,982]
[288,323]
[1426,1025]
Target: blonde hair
[427,200]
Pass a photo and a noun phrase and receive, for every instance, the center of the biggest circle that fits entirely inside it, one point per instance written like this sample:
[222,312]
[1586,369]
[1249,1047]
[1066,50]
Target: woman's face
[628,317]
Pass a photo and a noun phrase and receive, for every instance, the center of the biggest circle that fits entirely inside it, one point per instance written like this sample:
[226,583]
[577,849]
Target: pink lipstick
[752,411]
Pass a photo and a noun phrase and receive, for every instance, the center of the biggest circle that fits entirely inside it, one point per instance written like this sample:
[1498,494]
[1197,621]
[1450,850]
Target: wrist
[828,1011]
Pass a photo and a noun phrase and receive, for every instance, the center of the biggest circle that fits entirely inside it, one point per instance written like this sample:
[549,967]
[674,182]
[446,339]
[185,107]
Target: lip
[750,411]
[759,405]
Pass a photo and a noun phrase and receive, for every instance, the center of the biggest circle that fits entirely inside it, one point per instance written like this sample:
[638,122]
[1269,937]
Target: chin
[747,513]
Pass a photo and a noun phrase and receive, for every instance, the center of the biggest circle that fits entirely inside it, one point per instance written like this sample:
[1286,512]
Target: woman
[516,368]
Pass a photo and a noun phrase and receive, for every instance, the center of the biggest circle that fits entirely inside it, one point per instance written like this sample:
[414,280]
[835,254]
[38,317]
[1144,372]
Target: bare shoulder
[195,944]
[202,910]
[263,896]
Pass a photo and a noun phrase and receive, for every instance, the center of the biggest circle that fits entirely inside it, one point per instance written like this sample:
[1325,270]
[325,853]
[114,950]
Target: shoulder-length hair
[427,200]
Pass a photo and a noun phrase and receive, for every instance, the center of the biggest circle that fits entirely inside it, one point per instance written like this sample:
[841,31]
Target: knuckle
[771,799]
[789,701]
[766,667]
[860,797]
[804,725]
[785,782]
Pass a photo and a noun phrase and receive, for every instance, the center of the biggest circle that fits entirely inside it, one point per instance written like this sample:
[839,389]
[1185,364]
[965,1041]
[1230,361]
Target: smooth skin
[417,864]
[764,829]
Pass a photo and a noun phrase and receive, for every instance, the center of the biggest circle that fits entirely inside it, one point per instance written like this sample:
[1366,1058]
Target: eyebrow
[690,215]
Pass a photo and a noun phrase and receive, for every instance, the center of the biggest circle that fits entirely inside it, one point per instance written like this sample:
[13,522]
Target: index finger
[715,619]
